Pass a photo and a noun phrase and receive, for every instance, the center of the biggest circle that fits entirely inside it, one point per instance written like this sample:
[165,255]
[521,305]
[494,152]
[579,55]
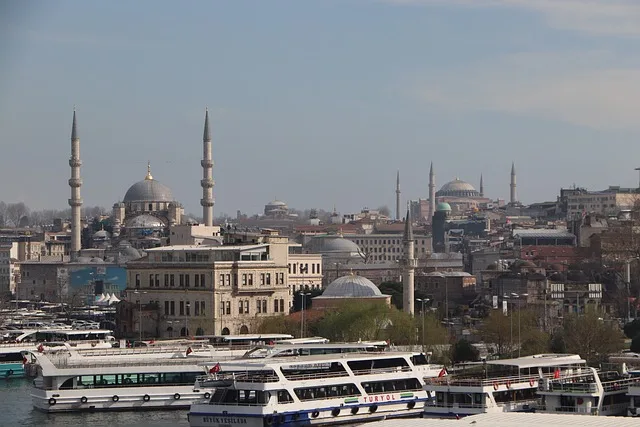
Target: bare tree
[3,214]
[15,212]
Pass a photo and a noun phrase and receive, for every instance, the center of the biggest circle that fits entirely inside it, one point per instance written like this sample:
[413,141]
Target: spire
[512,186]
[513,168]
[206,135]
[398,196]
[408,227]
[431,169]
[398,180]
[481,186]
[74,127]
[148,177]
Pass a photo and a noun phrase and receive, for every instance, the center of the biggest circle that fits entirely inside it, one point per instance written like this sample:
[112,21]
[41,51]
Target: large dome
[145,221]
[148,190]
[351,286]
[332,244]
[458,188]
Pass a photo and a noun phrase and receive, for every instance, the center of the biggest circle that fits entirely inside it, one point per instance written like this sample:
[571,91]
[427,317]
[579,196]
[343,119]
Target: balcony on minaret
[206,163]
[207,183]
[206,203]
[411,263]
[75,182]
[75,162]
[75,202]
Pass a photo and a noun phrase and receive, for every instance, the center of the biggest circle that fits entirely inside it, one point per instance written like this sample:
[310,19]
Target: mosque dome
[351,286]
[101,234]
[276,208]
[145,221]
[148,190]
[443,206]
[457,188]
[333,246]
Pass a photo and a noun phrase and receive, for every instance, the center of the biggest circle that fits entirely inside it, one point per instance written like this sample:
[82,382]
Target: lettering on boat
[379,398]
[224,420]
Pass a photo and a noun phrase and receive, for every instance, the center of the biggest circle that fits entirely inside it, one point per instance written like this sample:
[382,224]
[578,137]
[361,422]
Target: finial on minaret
[408,227]
[481,186]
[148,177]
[432,192]
[74,127]
[206,135]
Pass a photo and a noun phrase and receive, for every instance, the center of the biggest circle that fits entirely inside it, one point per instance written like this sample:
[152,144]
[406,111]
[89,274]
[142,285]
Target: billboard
[88,281]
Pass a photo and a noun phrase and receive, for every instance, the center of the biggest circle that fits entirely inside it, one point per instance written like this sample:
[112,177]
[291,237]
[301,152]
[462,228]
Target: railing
[573,387]
[570,409]
[66,362]
[483,382]
[620,384]
[433,404]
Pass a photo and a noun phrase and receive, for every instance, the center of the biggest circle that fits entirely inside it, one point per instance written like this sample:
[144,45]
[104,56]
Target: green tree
[463,351]
[591,337]
[434,331]
[278,325]
[395,290]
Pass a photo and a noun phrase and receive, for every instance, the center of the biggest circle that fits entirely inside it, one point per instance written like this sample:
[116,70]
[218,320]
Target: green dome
[443,206]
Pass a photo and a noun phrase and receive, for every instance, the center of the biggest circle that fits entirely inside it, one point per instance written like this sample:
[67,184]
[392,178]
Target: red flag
[442,373]
[556,373]
[24,360]
[215,369]
[189,351]
[152,341]
[40,348]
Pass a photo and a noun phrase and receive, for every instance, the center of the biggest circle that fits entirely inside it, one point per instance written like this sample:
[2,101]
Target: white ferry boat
[13,362]
[317,390]
[508,385]
[587,392]
[634,401]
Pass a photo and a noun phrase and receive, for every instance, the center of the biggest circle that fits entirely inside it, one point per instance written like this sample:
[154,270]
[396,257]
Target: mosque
[143,218]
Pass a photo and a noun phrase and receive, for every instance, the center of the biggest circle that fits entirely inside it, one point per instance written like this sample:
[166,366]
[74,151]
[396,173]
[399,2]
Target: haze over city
[319,102]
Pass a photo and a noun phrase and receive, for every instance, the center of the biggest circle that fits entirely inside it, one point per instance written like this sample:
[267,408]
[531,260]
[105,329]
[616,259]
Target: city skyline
[334,97]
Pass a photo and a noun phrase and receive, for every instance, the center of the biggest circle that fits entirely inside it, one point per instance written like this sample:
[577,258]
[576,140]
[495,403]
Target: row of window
[264,279]
[262,306]
[386,242]
[184,280]
[304,268]
[184,308]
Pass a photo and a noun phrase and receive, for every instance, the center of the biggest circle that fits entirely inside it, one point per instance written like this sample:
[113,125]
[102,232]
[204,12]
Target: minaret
[432,192]
[512,196]
[75,183]
[398,197]
[409,266]
[481,187]
[207,174]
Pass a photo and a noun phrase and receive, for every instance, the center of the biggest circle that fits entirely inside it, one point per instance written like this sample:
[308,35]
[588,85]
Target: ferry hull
[200,417]
[116,399]
[11,370]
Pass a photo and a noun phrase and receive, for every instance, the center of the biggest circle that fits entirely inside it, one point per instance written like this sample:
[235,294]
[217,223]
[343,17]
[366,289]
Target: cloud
[581,88]
[604,17]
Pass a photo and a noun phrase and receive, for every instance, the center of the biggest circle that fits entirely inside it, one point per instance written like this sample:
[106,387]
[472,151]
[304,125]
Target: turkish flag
[189,351]
[40,348]
[215,369]
[442,373]
[556,373]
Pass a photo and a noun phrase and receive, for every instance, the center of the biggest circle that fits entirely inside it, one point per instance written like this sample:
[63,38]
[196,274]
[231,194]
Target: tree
[463,351]
[632,329]
[496,330]
[434,332]
[384,210]
[395,290]
[278,325]
[591,337]
[15,212]
[635,344]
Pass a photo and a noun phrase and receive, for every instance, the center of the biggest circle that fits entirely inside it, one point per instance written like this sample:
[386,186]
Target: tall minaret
[481,187]
[432,192]
[75,183]
[207,174]
[512,196]
[409,264]
[398,197]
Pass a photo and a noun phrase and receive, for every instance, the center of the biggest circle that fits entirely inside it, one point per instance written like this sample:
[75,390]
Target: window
[157,280]
[258,306]
[172,280]
[228,307]
[282,305]
[313,268]
[250,279]
[182,280]
[196,310]
[166,308]
[173,308]
[202,281]
[151,280]
[246,307]
[203,312]
[262,279]
[244,280]
[268,279]
[275,306]
[240,307]
[137,280]
[181,308]
[186,280]
[188,304]
[166,280]
[264,306]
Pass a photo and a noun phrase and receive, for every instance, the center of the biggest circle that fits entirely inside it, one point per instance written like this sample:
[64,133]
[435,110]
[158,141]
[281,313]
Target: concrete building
[9,267]
[381,248]
[610,202]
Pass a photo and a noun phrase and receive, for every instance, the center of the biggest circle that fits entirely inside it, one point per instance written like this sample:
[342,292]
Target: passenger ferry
[12,360]
[508,385]
[587,392]
[318,390]
[634,401]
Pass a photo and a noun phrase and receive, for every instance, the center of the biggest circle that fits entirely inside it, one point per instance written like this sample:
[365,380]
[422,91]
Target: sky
[318,102]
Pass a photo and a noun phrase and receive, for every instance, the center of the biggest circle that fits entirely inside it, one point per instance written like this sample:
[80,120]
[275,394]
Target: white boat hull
[200,415]
[117,399]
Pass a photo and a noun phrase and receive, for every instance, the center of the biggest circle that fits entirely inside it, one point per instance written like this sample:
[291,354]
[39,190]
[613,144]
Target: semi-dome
[145,221]
[351,286]
[457,188]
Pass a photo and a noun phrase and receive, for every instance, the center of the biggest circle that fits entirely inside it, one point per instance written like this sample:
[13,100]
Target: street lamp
[303,296]
[506,297]
[186,319]
[423,301]
[137,292]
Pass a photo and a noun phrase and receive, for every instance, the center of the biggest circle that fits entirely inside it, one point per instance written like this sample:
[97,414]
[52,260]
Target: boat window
[419,359]
[363,367]
[325,392]
[225,396]
[67,385]
[284,397]
[11,357]
[405,384]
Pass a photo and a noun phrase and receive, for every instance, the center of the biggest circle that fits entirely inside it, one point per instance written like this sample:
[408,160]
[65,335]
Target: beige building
[607,202]
[204,290]
[382,248]
[9,267]
[305,271]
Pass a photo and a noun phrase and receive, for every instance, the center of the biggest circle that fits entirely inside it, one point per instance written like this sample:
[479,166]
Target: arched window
[244,329]
[199,331]
[184,332]
[226,331]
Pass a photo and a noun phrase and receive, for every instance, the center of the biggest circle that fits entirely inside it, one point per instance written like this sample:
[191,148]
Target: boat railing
[569,409]
[434,404]
[495,382]
[67,362]
[212,380]
[138,350]
[620,384]
[376,371]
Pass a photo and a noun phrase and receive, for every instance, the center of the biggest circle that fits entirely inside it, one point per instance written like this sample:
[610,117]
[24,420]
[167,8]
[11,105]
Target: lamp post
[517,296]
[506,297]
[137,292]
[303,296]
[186,318]
[423,301]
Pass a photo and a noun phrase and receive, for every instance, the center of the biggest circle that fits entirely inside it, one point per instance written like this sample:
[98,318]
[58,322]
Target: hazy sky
[318,102]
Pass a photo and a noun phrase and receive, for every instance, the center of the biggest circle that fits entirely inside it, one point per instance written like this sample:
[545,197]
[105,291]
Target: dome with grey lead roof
[332,244]
[458,188]
[351,286]
[148,190]
[145,221]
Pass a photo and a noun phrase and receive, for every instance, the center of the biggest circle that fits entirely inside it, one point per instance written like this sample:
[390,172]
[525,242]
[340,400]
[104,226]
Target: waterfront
[16,409]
